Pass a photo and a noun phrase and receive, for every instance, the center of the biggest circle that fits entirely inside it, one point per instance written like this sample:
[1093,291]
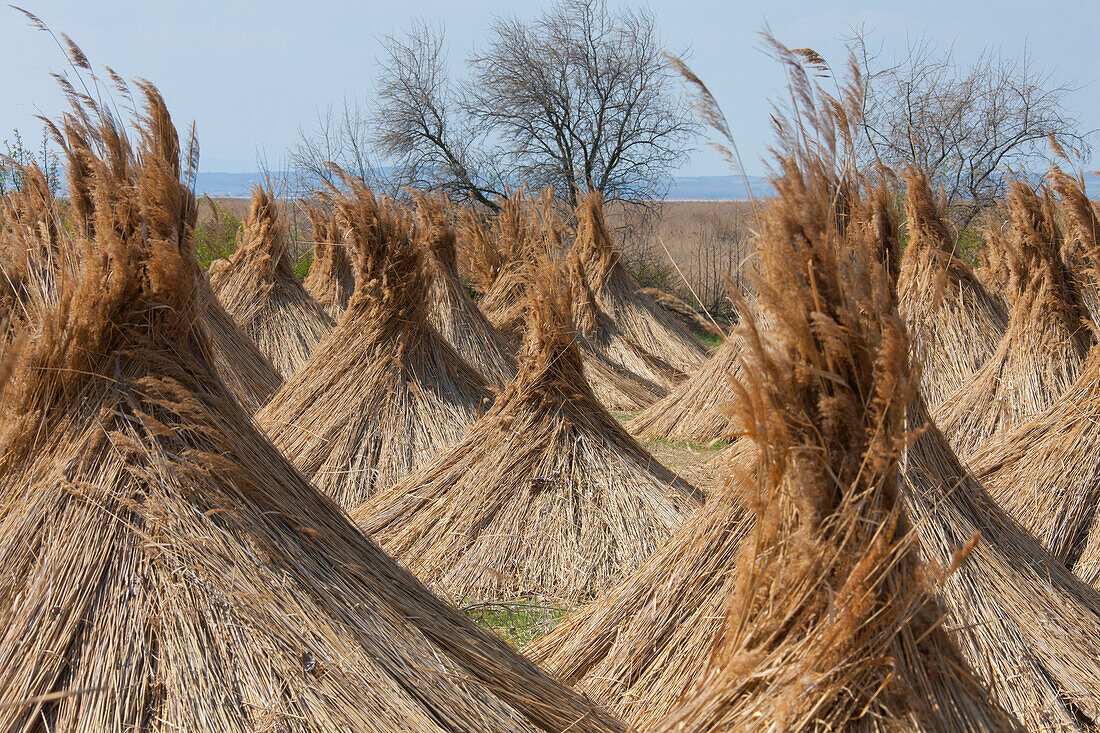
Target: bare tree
[583,100]
[965,125]
[423,124]
[341,136]
[580,98]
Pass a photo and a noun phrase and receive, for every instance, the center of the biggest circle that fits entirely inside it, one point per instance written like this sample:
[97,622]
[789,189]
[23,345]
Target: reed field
[349,461]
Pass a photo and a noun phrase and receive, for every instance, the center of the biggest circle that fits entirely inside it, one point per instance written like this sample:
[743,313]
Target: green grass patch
[717,444]
[712,340]
[624,416]
[517,622]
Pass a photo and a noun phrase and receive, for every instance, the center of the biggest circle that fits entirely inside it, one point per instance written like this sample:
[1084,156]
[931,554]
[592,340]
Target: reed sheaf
[500,255]
[1081,254]
[954,323]
[30,251]
[833,622]
[331,276]
[1047,338]
[499,258]
[383,392]
[32,258]
[451,309]
[165,568]
[545,495]
[620,323]
[258,288]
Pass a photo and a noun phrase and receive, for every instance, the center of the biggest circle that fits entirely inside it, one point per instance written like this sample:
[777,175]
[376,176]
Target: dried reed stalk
[451,309]
[954,323]
[165,568]
[833,624]
[258,288]
[545,495]
[383,392]
[331,276]
[1045,344]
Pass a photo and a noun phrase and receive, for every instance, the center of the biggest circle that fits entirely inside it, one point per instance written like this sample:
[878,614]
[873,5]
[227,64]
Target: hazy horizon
[250,78]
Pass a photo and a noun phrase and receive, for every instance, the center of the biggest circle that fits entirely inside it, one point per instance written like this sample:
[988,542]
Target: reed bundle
[833,623]
[1045,473]
[383,392]
[30,251]
[545,495]
[954,323]
[617,319]
[331,276]
[1045,344]
[451,309]
[1082,243]
[258,288]
[526,229]
[1028,626]
[165,568]
[697,409]
[33,258]
[638,648]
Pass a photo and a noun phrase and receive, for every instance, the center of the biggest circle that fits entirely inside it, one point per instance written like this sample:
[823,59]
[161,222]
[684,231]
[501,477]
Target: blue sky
[250,73]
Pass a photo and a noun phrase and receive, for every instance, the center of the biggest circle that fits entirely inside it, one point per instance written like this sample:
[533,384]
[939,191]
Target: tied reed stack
[1045,344]
[833,624]
[331,277]
[1045,472]
[617,319]
[451,309]
[383,392]
[1082,245]
[1046,672]
[545,495]
[697,409]
[638,648]
[624,376]
[524,230]
[35,265]
[30,251]
[954,323]
[258,288]
[165,568]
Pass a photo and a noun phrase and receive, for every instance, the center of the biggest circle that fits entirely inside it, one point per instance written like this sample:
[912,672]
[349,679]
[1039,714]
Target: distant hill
[684,188]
